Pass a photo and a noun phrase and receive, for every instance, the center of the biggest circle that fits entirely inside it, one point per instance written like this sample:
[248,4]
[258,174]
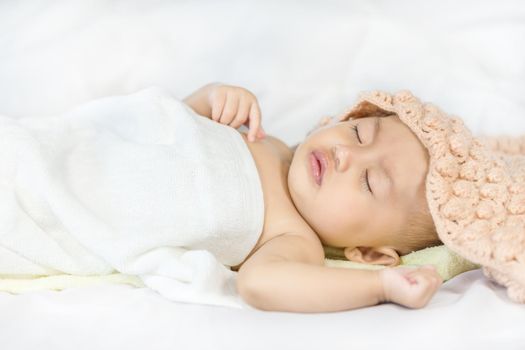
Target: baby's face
[344,210]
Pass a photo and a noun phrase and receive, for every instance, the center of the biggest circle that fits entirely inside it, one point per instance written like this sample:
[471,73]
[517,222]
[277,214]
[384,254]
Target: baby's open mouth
[317,163]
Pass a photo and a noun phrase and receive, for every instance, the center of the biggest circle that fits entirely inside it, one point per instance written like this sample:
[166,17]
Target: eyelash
[354,127]
[366,182]
[365,178]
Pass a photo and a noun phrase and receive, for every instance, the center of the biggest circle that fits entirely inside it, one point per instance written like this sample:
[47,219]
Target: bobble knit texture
[475,186]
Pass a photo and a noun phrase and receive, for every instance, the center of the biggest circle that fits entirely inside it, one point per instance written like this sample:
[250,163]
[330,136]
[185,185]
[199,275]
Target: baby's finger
[261,133]
[431,272]
[242,113]
[422,290]
[219,100]
[230,109]
[254,121]
[431,281]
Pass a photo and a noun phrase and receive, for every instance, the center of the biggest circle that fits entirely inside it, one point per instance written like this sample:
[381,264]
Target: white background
[303,59]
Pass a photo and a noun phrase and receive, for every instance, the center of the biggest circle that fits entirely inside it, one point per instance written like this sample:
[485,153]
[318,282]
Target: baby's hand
[410,287]
[235,106]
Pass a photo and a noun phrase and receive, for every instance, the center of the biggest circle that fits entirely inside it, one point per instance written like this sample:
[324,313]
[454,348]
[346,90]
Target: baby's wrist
[379,286]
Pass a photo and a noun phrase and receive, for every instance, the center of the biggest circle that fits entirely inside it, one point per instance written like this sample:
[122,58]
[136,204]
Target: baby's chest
[280,215]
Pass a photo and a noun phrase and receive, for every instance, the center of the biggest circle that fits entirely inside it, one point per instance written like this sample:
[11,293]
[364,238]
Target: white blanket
[138,184]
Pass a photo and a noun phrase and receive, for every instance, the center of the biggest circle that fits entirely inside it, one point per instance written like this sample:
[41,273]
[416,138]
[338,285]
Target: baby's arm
[229,105]
[288,274]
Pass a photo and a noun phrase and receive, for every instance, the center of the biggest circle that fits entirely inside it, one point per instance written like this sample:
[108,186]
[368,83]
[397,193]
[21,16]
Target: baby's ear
[376,256]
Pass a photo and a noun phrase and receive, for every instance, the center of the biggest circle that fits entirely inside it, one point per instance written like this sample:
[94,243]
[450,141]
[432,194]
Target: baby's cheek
[336,216]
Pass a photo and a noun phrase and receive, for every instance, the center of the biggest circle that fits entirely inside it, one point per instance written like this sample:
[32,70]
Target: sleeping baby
[390,176]
[354,184]
[171,192]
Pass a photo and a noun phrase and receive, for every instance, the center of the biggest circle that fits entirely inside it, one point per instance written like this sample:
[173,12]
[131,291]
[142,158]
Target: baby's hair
[419,232]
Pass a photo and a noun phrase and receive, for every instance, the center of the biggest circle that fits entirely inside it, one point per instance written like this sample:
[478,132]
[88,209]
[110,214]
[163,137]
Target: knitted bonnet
[475,191]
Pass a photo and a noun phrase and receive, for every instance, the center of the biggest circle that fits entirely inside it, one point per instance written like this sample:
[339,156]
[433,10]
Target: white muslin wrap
[137,184]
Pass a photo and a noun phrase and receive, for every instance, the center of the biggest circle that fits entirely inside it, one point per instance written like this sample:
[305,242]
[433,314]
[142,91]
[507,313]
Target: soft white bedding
[304,59]
[467,313]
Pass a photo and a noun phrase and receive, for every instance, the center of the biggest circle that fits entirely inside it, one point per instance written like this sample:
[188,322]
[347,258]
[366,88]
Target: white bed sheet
[304,60]
[468,312]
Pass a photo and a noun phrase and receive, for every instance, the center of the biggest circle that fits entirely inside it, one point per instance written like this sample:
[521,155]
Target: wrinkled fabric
[138,184]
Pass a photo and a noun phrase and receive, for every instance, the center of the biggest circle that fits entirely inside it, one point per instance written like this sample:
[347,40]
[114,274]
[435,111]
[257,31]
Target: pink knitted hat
[475,187]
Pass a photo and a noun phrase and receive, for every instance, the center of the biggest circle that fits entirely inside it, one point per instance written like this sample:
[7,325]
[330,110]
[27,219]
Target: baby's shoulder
[272,145]
[283,148]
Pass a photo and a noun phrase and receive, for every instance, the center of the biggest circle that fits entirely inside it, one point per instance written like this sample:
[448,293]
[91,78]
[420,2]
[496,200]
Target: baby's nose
[342,157]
